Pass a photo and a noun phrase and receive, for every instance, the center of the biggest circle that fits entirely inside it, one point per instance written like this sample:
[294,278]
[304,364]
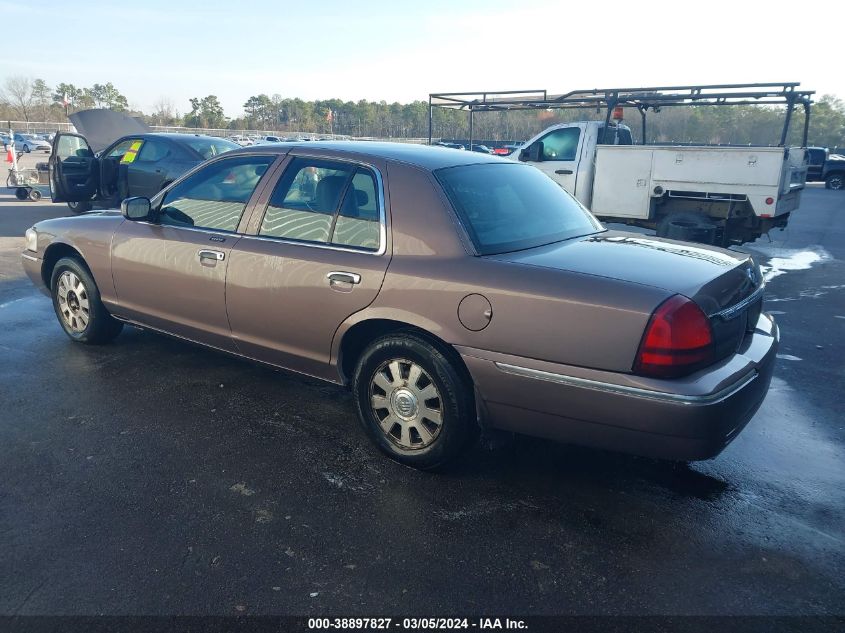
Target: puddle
[783,260]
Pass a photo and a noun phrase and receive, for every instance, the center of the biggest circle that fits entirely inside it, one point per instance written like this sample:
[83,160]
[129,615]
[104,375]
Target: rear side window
[326,202]
[153,151]
[214,197]
[510,207]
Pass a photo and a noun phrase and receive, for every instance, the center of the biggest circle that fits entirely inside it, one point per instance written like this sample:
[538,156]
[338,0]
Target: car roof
[426,156]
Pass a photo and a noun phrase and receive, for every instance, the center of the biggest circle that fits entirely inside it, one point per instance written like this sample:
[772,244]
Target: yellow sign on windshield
[131,153]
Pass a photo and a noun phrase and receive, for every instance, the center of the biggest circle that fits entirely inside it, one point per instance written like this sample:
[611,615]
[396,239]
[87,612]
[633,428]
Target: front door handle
[563,171]
[207,253]
[341,276]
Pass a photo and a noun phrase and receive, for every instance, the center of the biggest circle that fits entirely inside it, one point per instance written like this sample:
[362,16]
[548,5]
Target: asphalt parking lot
[149,476]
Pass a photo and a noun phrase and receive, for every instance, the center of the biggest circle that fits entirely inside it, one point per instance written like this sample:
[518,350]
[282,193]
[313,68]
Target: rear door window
[326,202]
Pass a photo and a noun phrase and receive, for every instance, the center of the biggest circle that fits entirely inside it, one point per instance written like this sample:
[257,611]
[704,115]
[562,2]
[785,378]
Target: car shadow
[518,461]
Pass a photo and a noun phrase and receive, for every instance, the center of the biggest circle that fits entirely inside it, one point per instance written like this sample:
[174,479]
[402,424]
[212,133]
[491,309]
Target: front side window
[325,202]
[70,145]
[121,148]
[561,144]
[513,207]
[214,197]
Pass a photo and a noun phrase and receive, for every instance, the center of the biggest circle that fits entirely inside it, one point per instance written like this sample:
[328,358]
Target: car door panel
[170,272]
[561,156]
[74,170]
[161,280]
[286,299]
[284,309]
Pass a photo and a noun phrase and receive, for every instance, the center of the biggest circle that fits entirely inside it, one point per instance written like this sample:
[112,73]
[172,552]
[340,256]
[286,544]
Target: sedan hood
[100,126]
[714,278]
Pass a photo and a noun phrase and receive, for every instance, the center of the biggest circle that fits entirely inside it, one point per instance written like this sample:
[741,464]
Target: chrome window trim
[382,249]
[636,392]
[219,232]
[733,311]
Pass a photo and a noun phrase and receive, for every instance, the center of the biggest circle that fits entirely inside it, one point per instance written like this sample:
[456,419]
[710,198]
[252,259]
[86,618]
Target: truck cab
[566,153]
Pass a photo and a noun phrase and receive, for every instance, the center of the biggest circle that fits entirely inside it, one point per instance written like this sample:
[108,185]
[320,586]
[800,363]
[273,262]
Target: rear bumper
[686,419]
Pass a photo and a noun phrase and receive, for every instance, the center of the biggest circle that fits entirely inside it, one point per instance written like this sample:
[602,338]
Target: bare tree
[18,92]
[164,111]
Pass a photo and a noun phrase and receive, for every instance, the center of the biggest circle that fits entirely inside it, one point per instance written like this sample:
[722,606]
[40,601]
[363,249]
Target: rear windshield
[210,147]
[510,207]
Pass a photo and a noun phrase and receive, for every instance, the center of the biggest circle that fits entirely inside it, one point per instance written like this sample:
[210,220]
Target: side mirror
[535,152]
[137,208]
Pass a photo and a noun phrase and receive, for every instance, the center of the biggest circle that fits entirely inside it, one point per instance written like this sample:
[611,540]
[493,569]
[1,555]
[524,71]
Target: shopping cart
[25,182]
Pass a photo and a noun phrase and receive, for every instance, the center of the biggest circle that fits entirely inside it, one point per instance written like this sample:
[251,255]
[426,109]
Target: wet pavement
[154,477]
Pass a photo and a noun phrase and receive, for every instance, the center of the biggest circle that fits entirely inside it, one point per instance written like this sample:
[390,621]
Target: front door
[560,156]
[74,170]
[170,273]
[316,255]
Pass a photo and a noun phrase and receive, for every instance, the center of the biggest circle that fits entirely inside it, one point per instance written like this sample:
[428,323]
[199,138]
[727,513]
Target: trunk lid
[726,285]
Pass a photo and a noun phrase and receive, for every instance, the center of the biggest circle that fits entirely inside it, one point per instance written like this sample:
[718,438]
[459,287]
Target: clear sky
[404,49]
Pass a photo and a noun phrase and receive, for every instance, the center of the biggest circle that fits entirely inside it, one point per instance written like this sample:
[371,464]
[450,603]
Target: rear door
[74,170]
[147,170]
[315,253]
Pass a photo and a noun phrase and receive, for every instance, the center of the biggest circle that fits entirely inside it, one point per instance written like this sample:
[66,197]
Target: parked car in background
[135,165]
[826,167]
[481,149]
[480,293]
[243,141]
[30,143]
[263,140]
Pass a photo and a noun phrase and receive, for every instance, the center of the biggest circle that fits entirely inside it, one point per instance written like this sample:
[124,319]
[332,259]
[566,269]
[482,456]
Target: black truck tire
[836,181]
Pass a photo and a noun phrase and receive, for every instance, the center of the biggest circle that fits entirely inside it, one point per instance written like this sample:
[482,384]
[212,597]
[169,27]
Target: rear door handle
[563,171]
[207,253]
[341,276]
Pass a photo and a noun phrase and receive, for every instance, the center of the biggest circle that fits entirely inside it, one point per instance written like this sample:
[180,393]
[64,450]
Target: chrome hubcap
[406,404]
[73,301]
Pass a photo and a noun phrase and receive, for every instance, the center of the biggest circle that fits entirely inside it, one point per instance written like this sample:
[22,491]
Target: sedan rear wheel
[79,207]
[76,301]
[414,401]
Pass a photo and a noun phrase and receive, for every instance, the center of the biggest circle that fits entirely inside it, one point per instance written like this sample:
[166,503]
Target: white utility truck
[716,194]
[713,194]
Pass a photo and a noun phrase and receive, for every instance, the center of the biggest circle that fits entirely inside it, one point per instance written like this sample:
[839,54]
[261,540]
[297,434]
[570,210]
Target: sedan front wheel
[413,401]
[76,300]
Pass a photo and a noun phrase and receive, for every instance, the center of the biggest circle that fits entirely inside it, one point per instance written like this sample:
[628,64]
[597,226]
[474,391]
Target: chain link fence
[47,127]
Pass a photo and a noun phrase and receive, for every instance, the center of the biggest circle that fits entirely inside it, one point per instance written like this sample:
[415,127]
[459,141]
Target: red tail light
[676,341]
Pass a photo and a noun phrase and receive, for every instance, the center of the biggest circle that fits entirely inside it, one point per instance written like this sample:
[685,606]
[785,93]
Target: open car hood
[101,127]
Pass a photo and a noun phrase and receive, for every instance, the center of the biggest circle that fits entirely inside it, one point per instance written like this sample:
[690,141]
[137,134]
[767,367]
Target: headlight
[32,240]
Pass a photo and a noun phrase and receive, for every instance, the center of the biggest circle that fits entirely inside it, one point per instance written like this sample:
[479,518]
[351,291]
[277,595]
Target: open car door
[74,170]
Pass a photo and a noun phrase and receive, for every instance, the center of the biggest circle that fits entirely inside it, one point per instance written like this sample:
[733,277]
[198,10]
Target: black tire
[690,227]
[454,403]
[21,193]
[26,149]
[34,195]
[93,326]
[835,181]
[79,207]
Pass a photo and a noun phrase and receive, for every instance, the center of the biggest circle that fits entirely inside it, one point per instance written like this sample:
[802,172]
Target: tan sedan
[450,291]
